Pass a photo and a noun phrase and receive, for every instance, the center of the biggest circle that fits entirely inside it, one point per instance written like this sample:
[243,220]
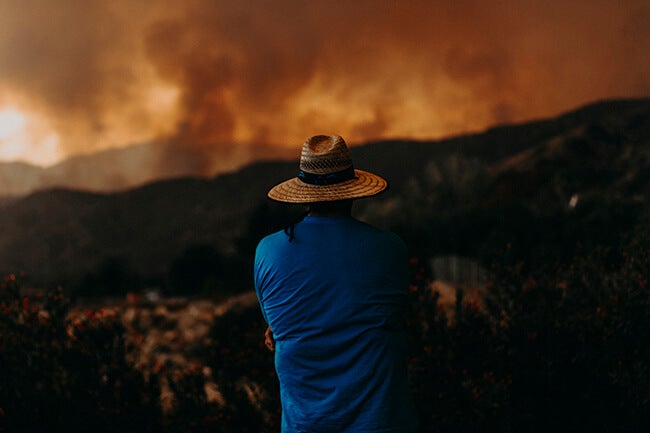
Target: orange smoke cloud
[220,82]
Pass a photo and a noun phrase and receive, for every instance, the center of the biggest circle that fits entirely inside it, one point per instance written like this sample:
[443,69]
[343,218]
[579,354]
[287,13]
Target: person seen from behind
[333,292]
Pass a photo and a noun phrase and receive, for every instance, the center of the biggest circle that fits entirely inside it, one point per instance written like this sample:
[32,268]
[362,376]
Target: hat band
[327,179]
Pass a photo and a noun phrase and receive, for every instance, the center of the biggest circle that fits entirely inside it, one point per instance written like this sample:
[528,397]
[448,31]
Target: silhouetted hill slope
[118,169]
[462,195]
[624,120]
[64,233]
[18,178]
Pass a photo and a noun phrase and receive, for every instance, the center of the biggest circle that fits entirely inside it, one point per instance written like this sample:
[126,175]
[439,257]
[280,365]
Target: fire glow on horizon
[205,76]
[22,138]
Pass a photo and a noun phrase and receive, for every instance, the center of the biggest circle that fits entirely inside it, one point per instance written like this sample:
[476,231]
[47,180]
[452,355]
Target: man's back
[334,297]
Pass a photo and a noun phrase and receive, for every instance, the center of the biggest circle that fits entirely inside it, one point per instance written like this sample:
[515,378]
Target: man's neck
[333,209]
[328,213]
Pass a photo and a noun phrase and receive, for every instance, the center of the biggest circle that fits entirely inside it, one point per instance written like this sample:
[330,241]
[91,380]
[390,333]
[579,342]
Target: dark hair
[288,230]
[323,207]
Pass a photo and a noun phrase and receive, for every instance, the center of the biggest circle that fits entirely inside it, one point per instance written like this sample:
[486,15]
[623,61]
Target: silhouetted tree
[198,269]
[113,276]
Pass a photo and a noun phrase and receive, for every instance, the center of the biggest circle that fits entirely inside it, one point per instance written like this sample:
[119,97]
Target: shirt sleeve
[257,279]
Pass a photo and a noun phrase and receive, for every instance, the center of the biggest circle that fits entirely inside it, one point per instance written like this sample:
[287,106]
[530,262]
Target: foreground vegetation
[557,349]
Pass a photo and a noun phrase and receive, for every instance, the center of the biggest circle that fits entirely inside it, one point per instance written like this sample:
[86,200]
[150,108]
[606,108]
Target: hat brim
[364,184]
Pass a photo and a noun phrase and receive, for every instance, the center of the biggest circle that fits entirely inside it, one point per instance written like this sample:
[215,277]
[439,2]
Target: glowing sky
[207,76]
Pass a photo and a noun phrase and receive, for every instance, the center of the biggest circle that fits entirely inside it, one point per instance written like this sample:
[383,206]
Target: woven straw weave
[324,154]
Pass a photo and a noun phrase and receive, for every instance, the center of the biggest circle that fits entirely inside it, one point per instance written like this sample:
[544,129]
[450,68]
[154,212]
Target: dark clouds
[275,72]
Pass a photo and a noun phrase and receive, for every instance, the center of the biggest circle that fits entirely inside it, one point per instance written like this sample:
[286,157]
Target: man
[333,291]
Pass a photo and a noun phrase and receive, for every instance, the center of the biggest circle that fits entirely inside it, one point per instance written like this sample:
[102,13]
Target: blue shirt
[334,298]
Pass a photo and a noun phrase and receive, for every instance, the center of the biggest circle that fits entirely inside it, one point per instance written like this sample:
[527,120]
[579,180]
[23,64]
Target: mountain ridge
[600,154]
[118,169]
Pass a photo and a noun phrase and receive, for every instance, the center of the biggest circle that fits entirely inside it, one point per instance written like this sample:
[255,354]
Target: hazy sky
[208,76]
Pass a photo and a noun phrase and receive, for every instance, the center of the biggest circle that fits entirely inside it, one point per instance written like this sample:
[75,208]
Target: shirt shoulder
[269,241]
[390,239]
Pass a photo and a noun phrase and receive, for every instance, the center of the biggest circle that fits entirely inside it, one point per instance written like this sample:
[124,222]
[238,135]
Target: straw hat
[327,174]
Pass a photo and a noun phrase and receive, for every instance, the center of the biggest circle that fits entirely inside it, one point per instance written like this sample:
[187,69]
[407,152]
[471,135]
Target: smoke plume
[220,82]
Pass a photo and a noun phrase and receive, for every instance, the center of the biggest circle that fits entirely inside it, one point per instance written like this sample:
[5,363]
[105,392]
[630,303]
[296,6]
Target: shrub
[198,270]
[546,349]
[62,374]
[556,350]
[245,370]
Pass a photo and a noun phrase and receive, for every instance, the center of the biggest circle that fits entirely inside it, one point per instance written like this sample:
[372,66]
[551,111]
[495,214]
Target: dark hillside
[545,186]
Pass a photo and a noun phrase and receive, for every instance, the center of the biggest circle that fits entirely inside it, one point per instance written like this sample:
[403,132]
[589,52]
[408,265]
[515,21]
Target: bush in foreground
[566,349]
[558,350]
[67,375]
